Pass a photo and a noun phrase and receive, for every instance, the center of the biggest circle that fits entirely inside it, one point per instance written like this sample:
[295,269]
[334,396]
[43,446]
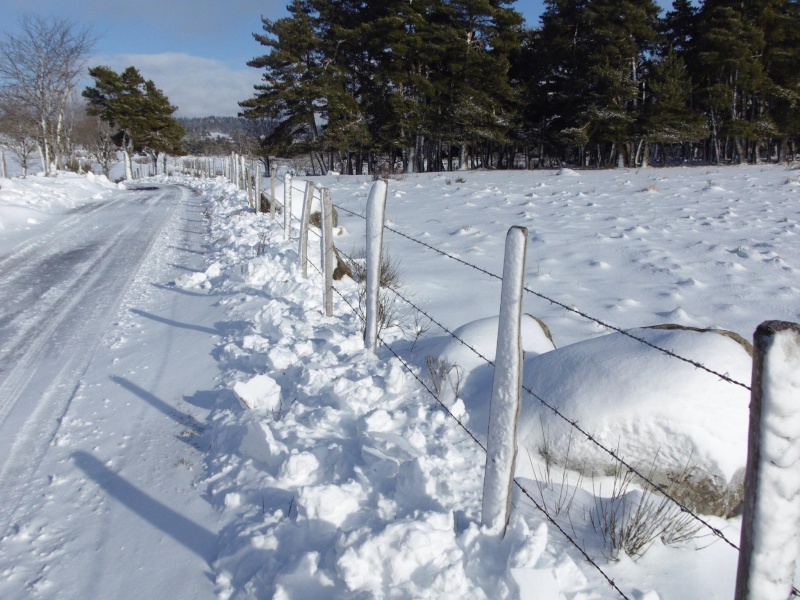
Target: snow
[640,402]
[229,440]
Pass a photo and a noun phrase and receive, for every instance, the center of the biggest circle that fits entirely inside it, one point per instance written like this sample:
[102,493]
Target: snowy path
[98,437]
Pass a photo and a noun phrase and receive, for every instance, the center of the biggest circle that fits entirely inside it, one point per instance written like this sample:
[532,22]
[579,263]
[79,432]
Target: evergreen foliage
[139,113]
[437,85]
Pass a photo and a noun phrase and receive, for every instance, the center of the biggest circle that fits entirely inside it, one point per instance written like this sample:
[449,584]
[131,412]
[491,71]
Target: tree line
[40,67]
[436,85]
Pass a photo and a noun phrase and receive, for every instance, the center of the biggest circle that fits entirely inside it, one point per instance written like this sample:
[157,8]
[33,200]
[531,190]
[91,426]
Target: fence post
[770,537]
[304,224]
[273,171]
[258,187]
[501,447]
[328,260]
[287,206]
[248,182]
[376,210]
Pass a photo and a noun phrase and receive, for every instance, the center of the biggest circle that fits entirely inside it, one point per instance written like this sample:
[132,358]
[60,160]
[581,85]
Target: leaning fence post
[327,250]
[501,447]
[770,537]
[376,209]
[287,206]
[304,224]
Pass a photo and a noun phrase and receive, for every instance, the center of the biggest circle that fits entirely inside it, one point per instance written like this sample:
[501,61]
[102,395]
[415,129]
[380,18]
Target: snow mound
[649,406]
[482,336]
[261,393]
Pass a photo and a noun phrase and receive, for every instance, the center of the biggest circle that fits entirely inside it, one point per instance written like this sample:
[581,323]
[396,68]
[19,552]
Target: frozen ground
[222,421]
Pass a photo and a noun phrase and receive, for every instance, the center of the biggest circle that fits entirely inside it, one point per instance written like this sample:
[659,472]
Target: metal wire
[717,532]
[577,427]
[571,309]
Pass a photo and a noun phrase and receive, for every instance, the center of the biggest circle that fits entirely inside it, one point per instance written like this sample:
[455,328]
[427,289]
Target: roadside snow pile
[342,478]
[36,202]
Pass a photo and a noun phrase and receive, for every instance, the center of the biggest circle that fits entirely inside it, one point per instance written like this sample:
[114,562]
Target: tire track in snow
[64,325]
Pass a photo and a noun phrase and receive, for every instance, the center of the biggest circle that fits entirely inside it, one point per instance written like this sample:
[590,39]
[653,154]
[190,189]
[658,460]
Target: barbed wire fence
[570,422]
[593,439]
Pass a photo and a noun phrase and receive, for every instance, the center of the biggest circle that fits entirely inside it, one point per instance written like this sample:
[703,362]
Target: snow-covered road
[98,437]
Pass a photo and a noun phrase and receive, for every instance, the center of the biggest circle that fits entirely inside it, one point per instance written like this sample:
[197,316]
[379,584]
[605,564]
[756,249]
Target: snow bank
[338,475]
[31,206]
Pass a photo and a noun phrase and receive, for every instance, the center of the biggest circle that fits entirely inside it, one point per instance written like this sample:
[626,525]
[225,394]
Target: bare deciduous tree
[96,137]
[18,133]
[39,68]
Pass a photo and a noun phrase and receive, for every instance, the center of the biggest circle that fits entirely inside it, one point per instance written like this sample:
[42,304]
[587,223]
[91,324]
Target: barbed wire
[522,488]
[572,423]
[571,309]
[461,424]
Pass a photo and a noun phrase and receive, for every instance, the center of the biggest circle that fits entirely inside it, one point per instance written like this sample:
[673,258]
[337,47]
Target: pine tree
[138,112]
[292,82]
[677,29]
[669,117]
[780,20]
[728,69]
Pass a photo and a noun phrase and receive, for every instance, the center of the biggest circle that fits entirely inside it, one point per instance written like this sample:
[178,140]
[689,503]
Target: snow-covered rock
[661,414]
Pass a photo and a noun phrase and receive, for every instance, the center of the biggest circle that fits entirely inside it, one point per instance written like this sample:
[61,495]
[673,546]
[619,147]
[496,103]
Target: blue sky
[194,50]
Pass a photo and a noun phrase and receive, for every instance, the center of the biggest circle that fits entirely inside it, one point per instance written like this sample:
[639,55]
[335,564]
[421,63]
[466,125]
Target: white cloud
[198,86]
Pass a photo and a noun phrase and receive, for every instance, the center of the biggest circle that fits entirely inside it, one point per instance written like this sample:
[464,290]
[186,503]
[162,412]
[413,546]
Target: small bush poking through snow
[631,520]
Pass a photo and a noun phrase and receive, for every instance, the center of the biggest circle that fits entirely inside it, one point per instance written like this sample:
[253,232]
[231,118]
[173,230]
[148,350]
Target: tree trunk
[411,158]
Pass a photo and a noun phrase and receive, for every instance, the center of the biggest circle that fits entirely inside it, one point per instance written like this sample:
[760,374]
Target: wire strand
[571,309]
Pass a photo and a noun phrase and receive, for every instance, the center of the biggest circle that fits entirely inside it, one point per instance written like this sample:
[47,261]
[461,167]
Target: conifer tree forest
[434,85]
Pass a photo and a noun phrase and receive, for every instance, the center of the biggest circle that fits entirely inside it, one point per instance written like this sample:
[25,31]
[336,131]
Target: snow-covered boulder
[668,418]
[482,336]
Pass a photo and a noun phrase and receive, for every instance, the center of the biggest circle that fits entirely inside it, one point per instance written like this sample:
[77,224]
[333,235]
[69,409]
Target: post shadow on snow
[189,534]
[203,399]
[184,268]
[185,292]
[173,323]
[186,420]
[190,251]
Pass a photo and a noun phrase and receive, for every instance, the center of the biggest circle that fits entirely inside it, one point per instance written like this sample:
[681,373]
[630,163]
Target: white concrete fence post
[770,536]
[376,212]
[305,222]
[273,171]
[501,450]
[258,187]
[287,206]
[328,254]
